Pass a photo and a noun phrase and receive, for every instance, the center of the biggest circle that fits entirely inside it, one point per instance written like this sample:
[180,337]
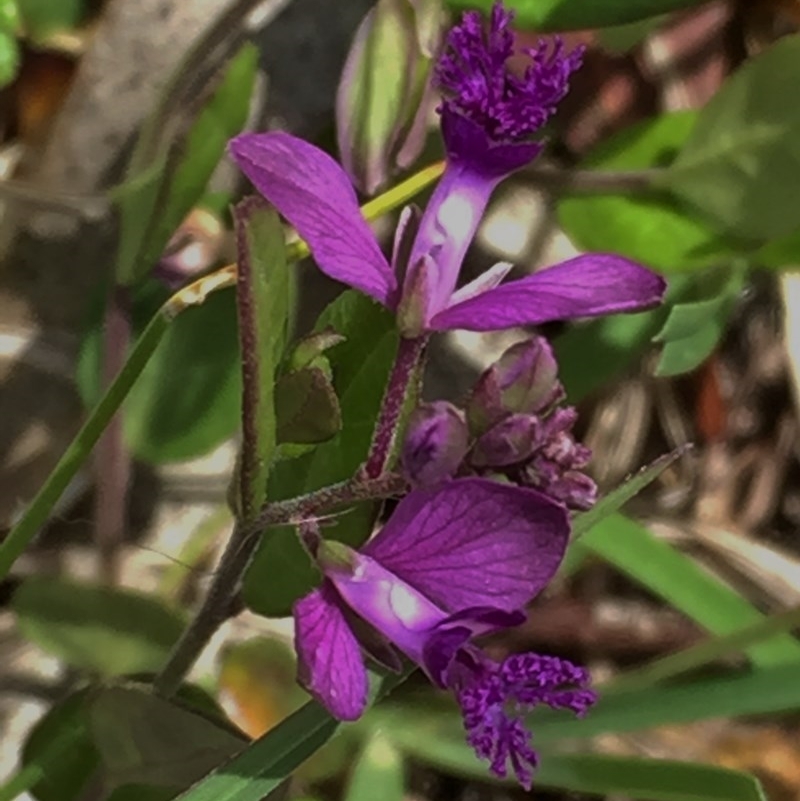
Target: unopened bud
[527,374]
[414,308]
[336,557]
[511,441]
[435,444]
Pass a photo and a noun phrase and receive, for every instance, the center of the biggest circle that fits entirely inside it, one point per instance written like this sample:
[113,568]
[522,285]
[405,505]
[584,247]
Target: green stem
[79,449]
[236,557]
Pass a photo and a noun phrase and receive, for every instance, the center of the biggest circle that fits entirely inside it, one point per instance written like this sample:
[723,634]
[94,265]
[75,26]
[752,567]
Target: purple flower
[450,565]
[488,115]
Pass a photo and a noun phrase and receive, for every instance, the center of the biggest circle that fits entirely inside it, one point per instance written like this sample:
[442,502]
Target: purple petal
[468,144]
[586,286]
[483,283]
[314,194]
[474,543]
[451,634]
[329,661]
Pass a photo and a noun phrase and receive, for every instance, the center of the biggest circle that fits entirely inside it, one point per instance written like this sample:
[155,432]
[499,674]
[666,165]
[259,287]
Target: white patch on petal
[456,217]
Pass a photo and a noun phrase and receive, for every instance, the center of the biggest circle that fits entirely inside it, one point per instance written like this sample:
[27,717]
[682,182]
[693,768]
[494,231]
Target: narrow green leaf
[678,579]
[172,185]
[763,691]
[378,766]
[281,571]
[693,329]
[707,651]
[37,513]
[103,629]
[612,501]
[267,762]
[561,15]
[145,739]
[651,779]
[741,163]
[649,225]
[760,691]
[262,296]
[632,777]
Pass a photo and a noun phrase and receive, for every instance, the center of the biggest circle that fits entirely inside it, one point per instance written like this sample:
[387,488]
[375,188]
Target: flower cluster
[463,553]
[513,427]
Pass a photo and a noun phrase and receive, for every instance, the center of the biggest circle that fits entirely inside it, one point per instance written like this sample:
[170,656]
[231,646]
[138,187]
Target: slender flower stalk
[402,386]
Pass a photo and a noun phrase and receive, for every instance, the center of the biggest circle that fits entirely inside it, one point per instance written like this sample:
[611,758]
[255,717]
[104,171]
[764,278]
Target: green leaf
[741,163]
[651,779]
[172,186]
[263,292]
[631,777]
[41,18]
[761,691]
[306,407]
[9,58]
[141,792]
[764,691]
[683,584]
[145,739]
[647,226]
[783,253]
[187,399]
[623,38]
[59,757]
[378,765]
[561,15]
[103,629]
[268,761]
[612,501]
[595,774]
[692,330]
[591,354]
[707,651]
[281,571]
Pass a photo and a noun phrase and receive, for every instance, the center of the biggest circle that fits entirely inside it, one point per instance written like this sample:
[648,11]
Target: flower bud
[522,381]
[436,443]
[511,441]
[527,374]
[384,93]
[414,308]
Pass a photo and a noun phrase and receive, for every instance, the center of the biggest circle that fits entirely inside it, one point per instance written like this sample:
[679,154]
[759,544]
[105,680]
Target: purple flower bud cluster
[513,427]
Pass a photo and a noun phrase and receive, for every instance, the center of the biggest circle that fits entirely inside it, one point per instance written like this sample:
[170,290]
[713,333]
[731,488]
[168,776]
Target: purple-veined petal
[329,661]
[474,543]
[587,286]
[314,194]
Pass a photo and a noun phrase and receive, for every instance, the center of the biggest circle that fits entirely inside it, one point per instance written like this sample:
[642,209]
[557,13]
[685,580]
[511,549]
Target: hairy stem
[240,549]
[403,381]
